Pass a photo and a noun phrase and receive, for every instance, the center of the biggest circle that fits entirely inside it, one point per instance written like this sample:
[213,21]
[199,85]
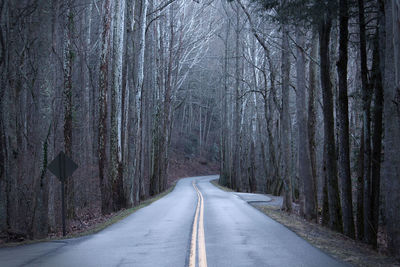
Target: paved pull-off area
[197,224]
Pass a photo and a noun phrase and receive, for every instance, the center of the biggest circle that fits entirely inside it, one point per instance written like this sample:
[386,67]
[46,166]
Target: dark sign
[62,166]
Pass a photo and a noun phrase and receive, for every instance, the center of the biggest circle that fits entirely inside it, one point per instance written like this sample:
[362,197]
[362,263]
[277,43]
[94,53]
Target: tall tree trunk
[116,83]
[304,160]
[158,120]
[226,170]
[167,112]
[312,116]
[3,181]
[343,117]
[139,89]
[236,120]
[366,126]
[4,219]
[40,217]
[285,123]
[391,165]
[335,217]
[376,139]
[130,96]
[69,56]
[127,47]
[360,189]
[105,186]
[140,39]
[325,200]
[150,76]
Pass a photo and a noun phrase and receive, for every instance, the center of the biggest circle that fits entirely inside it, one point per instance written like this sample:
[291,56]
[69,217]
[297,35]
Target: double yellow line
[198,233]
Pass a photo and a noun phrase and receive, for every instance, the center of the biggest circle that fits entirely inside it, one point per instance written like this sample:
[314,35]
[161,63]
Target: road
[196,224]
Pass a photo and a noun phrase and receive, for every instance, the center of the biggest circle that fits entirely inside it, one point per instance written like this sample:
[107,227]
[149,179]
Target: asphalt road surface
[197,224]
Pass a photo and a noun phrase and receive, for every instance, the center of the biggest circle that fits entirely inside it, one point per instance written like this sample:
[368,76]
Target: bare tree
[106,197]
[304,159]
[335,220]
[343,118]
[285,123]
[391,111]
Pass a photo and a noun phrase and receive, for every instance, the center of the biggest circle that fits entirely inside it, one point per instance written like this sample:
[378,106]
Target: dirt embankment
[181,166]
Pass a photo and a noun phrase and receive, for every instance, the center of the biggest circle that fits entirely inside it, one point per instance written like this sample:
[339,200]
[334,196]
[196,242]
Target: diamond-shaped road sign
[62,166]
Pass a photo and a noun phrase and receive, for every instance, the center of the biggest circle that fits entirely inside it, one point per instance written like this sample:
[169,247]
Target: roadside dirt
[333,243]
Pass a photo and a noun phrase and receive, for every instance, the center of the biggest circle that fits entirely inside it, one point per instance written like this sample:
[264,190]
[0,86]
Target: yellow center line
[198,232]
[201,239]
[192,257]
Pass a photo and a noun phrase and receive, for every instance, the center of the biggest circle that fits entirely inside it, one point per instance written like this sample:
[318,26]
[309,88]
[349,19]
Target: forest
[298,98]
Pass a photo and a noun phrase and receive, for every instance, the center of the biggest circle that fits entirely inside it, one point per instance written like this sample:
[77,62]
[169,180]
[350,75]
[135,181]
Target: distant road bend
[196,224]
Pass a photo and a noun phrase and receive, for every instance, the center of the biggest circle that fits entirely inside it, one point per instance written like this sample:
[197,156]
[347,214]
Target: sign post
[62,167]
[63,206]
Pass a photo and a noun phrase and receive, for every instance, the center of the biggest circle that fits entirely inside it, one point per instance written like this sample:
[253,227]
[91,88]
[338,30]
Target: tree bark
[285,123]
[343,117]
[4,219]
[304,160]
[226,170]
[236,120]
[312,116]
[335,217]
[105,186]
[360,189]
[376,140]
[69,56]
[391,165]
[139,89]
[116,83]
[366,126]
